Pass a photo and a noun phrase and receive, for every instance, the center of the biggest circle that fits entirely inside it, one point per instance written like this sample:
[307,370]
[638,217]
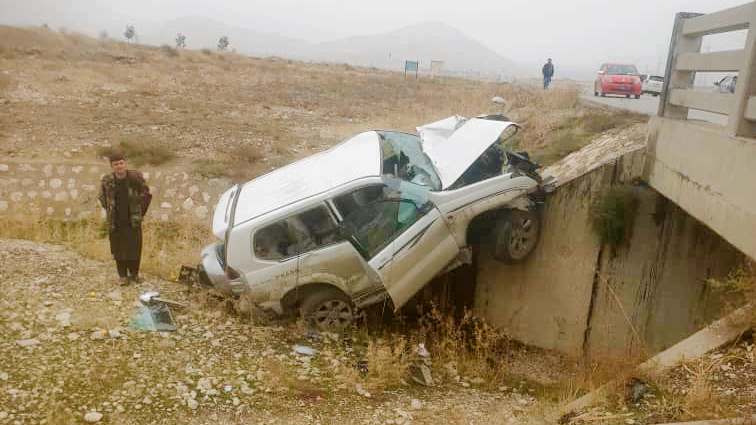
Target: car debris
[304,350]
[154,313]
[374,219]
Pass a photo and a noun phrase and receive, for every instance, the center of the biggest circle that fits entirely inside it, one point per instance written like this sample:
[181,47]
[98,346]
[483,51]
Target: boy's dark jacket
[139,197]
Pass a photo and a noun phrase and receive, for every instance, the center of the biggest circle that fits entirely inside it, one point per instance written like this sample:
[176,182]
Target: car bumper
[213,274]
[621,89]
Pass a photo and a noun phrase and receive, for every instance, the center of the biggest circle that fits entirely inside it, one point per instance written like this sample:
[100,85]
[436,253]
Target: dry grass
[166,245]
[200,106]
[379,363]
[169,51]
[568,133]
[741,283]
[140,151]
[243,163]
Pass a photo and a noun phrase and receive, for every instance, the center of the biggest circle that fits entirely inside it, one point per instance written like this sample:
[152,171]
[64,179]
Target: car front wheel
[516,235]
[327,309]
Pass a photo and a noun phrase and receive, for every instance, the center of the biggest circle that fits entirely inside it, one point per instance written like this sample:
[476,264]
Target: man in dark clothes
[125,197]
[548,73]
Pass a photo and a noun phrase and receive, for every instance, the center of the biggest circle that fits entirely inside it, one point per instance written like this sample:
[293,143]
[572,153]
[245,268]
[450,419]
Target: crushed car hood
[454,143]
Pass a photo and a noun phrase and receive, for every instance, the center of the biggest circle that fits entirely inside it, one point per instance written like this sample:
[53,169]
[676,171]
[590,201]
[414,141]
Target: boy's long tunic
[125,201]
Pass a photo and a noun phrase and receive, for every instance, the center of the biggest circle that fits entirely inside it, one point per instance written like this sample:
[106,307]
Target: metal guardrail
[685,59]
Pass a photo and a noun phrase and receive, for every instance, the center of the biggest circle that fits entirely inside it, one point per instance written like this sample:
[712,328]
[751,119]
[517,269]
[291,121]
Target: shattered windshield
[404,158]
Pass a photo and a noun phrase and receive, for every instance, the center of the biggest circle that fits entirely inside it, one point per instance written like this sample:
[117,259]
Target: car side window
[354,201]
[373,216]
[295,235]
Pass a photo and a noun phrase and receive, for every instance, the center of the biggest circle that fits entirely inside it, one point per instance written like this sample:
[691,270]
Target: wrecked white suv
[374,218]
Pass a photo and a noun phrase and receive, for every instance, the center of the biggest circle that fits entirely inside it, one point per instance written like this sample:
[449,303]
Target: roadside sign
[411,66]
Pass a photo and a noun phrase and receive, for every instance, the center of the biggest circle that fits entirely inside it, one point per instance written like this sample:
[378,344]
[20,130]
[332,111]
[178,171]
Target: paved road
[647,104]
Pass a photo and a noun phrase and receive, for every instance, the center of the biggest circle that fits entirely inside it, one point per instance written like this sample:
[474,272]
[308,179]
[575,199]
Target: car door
[403,237]
[420,253]
[332,259]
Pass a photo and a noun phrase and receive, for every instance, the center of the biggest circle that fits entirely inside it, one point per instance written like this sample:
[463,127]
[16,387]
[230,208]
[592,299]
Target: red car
[617,79]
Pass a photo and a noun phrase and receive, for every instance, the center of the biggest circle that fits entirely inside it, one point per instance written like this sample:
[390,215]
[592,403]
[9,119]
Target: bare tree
[180,41]
[103,35]
[130,33]
[223,43]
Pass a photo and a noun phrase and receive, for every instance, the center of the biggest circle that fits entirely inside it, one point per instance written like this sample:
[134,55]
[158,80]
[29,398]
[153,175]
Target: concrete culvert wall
[579,296]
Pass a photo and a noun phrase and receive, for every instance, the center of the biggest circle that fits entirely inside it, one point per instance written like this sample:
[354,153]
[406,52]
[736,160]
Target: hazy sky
[576,33]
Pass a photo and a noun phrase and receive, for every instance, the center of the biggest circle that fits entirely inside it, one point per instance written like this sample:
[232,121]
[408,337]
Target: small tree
[130,33]
[223,43]
[180,41]
[103,35]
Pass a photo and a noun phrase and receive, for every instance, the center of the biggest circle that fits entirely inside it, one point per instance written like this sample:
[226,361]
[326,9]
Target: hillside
[68,95]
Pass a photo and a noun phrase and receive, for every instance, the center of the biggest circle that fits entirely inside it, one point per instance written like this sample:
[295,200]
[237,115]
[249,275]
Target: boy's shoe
[123,281]
[136,279]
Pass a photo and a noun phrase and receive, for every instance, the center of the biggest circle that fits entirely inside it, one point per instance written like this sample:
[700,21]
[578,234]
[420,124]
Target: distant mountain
[424,42]
[427,41]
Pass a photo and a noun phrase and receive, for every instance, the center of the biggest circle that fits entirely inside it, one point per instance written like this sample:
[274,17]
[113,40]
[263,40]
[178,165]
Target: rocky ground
[68,355]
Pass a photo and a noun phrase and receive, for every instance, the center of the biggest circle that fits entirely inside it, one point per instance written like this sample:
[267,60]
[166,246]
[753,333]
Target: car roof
[355,158]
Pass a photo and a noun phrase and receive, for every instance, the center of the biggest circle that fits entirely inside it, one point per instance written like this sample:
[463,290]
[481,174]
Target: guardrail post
[746,86]
[678,79]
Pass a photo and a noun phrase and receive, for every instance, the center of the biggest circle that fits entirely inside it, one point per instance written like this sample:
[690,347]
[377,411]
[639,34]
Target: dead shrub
[464,348]
[699,398]
[211,168]
[385,363]
[169,51]
[740,282]
[140,152]
[247,154]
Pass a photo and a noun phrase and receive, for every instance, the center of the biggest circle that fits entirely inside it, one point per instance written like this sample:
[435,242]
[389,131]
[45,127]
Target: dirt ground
[67,350]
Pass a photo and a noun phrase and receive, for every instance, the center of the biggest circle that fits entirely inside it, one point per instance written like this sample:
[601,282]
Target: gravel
[215,367]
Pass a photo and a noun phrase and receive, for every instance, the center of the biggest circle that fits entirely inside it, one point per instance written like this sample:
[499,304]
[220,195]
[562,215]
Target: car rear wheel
[637,96]
[516,235]
[327,309]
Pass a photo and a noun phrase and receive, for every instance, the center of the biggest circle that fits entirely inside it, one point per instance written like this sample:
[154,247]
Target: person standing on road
[125,197]
[548,73]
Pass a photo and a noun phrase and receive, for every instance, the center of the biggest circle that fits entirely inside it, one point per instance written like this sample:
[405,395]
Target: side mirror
[601,72]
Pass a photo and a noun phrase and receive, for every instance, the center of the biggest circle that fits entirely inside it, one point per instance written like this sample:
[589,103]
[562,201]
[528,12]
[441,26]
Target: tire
[327,308]
[627,96]
[516,236]
[637,96]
